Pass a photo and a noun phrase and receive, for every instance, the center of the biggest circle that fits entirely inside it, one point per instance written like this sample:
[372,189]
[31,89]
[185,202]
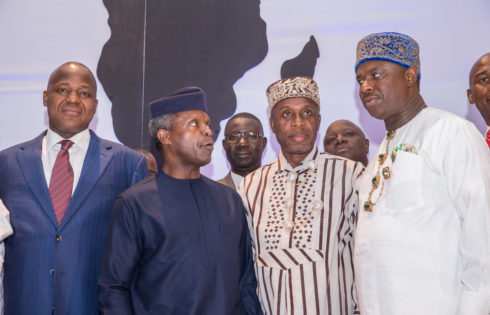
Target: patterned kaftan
[306,269]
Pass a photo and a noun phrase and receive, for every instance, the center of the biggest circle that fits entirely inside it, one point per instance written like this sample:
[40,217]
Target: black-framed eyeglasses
[248,136]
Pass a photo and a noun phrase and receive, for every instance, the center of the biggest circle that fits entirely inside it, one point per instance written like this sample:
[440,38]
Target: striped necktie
[61,183]
[488,138]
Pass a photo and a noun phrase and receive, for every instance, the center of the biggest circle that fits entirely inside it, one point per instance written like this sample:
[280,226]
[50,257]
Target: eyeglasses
[248,136]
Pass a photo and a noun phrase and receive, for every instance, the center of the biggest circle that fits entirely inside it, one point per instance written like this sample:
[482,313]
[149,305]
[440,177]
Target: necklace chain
[289,223]
[385,172]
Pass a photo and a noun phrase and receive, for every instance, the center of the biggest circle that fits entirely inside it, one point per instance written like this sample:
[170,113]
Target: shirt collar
[80,141]
[285,166]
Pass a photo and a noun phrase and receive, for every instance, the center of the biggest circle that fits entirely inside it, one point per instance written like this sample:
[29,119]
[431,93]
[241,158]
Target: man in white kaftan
[422,243]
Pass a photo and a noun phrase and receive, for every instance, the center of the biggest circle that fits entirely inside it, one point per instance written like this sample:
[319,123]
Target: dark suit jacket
[228,181]
[51,269]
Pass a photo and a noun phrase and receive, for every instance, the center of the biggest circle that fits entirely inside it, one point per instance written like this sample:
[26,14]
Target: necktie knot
[66,144]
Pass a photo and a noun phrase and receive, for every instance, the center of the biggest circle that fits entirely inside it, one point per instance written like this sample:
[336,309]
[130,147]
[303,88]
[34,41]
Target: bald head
[346,139]
[71,99]
[479,91]
[69,68]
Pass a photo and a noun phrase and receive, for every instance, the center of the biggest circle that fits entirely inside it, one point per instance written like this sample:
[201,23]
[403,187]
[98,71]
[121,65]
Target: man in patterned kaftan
[301,210]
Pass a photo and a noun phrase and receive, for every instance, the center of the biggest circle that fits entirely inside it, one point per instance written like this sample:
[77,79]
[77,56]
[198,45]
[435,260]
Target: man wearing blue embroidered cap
[178,242]
[423,236]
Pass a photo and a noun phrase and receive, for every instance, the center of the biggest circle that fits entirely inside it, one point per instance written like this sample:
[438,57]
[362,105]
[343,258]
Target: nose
[242,141]
[366,86]
[73,97]
[298,120]
[207,131]
[339,139]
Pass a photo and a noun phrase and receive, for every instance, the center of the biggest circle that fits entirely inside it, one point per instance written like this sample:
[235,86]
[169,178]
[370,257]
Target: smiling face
[383,88]
[189,144]
[244,155]
[70,99]
[345,139]
[479,91]
[295,121]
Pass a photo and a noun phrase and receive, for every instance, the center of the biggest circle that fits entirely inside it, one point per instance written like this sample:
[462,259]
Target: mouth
[242,155]
[298,137]
[342,150]
[208,145]
[71,111]
[370,100]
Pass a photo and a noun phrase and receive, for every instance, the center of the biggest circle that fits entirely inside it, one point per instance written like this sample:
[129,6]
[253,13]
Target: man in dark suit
[60,188]
[244,143]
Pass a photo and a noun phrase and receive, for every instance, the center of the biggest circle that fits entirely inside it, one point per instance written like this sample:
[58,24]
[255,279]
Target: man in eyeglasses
[244,143]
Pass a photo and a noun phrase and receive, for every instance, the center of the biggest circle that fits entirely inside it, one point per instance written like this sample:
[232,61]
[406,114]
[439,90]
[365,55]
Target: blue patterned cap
[187,98]
[389,46]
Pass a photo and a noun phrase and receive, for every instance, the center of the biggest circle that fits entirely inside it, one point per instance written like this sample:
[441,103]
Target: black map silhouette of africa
[159,46]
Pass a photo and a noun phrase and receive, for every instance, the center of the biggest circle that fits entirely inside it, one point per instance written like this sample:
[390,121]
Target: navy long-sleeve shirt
[178,247]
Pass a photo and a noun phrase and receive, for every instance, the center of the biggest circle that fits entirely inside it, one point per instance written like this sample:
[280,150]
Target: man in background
[346,139]
[479,91]
[244,144]
[150,161]
[60,188]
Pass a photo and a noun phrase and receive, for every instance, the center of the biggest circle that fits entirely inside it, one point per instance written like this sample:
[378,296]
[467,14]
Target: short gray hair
[161,122]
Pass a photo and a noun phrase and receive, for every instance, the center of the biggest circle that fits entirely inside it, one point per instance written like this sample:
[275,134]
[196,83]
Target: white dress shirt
[236,179]
[425,247]
[77,152]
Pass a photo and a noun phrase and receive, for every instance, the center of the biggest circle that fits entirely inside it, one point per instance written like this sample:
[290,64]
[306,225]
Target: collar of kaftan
[285,166]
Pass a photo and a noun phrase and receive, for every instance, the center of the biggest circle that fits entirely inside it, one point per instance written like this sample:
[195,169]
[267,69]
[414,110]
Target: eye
[287,114]
[329,140]
[360,81]
[85,93]
[307,113]
[376,75]
[349,134]
[483,79]
[193,123]
[62,90]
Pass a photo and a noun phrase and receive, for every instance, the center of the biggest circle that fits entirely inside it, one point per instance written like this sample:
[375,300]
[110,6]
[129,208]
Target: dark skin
[71,99]
[345,139]
[389,92]
[188,146]
[244,156]
[295,122]
[479,91]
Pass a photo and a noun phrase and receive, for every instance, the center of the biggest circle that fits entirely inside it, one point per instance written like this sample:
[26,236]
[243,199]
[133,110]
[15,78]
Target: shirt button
[51,272]
[58,238]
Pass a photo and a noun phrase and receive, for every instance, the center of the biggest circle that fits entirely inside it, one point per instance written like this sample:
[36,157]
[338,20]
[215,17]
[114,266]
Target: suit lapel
[96,160]
[229,180]
[31,166]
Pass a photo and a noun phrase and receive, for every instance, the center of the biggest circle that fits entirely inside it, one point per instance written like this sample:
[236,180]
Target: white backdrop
[37,36]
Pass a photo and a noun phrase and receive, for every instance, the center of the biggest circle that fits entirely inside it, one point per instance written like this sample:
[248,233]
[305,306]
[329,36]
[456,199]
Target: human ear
[411,76]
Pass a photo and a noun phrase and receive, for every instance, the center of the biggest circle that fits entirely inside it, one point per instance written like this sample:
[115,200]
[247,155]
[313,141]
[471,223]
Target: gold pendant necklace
[385,172]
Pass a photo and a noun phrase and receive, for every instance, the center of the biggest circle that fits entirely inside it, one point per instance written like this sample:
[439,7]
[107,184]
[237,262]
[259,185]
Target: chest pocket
[405,187]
